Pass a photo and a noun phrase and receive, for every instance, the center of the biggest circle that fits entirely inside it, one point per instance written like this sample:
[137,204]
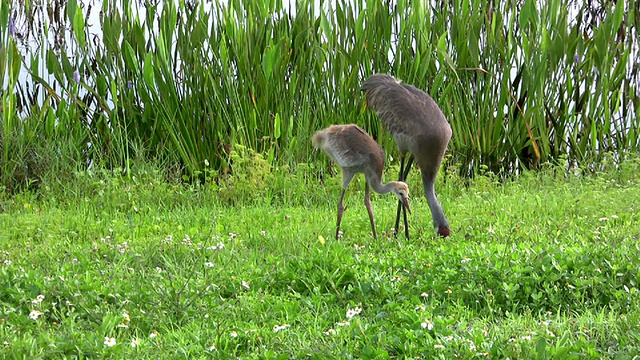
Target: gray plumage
[356,152]
[418,127]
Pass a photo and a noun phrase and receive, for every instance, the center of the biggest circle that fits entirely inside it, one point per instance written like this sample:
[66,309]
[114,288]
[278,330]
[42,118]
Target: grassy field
[542,266]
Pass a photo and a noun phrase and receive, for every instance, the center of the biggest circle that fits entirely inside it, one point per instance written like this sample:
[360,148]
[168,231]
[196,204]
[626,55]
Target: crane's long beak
[405,201]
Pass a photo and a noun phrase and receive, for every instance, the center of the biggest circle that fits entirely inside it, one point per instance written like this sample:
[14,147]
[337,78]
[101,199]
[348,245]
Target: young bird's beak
[405,201]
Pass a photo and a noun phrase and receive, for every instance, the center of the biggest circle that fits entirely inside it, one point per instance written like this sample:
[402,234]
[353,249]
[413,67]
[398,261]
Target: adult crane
[419,128]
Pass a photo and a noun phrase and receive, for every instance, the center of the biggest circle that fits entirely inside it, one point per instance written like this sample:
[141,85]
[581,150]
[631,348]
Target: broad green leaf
[4,58]
[272,154]
[130,57]
[67,67]
[442,45]
[15,62]
[326,26]
[78,27]
[198,36]
[148,71]
[53,65]
[545,40]
[161,51]
[290,128]
[4,14]
[527,14]
[525,47]
[293,143]
[50,122]
[101,84]
[359,25]
[269,60]
[276,127]
[72,9]
[438,80]
[618,14]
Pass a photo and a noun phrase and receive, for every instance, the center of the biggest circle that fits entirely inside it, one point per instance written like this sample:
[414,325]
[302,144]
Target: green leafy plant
[522,84]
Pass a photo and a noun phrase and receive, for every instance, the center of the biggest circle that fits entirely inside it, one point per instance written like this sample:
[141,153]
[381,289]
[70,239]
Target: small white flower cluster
[6,261]
[450,338]
[353,312]
[125,323]
[35,314]
[427,324]
[187,240]
[277,328]
[109,341]
[245,285]
[122,248]
[220,246]
[332,331]
[168,239]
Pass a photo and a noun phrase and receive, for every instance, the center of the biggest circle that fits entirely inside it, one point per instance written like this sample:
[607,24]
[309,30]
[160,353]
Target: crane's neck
[376,184]
[439,219]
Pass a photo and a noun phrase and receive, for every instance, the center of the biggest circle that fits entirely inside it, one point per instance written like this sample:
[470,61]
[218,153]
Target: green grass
[542,266]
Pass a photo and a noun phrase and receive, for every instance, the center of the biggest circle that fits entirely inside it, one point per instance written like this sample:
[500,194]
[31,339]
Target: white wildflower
[330,332]
[109,341]
[353,312]
[35,314]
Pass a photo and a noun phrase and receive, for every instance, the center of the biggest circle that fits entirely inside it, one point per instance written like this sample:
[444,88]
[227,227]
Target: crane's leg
[399,202]
[367,203]
[404,210]
[340,211]
[404,173]
[347,175]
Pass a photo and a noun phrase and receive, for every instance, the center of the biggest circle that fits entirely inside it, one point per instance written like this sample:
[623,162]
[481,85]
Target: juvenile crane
[418,127]
[356,152]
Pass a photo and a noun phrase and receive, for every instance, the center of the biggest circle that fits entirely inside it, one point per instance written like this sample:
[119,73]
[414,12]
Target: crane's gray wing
[351,146]
[402,108]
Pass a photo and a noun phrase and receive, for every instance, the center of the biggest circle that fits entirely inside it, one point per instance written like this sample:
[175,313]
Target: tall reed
[521,82]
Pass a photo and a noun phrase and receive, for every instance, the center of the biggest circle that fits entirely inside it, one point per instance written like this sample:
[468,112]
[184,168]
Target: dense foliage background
[202,105]
[191,84]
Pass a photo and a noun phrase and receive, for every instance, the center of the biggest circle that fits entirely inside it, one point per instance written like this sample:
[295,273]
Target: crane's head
[444,231]
[402,192]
